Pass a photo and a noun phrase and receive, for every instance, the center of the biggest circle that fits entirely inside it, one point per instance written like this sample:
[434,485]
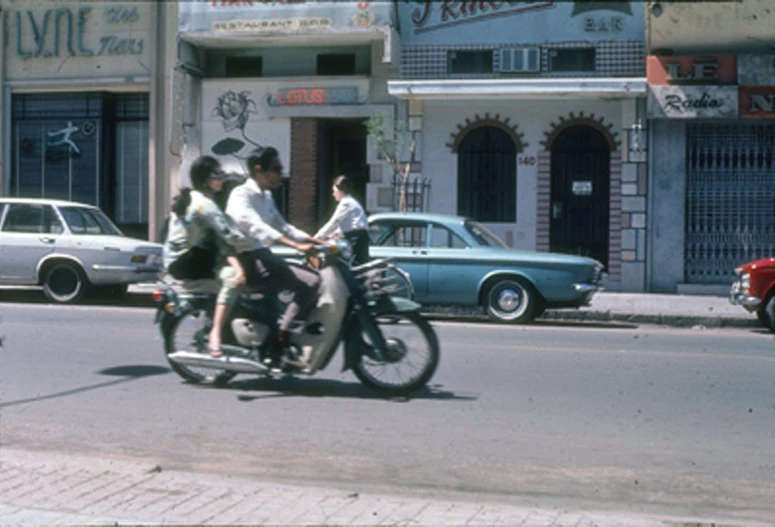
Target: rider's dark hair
[344,184]
[265,156]
[181,202]
[203,169]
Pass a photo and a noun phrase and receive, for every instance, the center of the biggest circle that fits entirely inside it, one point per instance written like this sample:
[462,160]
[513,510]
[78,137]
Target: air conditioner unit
[520,60]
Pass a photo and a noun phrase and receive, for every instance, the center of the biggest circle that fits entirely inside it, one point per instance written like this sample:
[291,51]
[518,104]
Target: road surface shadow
[259,388]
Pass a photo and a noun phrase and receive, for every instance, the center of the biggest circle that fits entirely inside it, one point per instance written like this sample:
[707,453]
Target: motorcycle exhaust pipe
[226,363]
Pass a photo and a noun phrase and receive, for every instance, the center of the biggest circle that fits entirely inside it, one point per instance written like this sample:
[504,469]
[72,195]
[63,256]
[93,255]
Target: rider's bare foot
[214,347]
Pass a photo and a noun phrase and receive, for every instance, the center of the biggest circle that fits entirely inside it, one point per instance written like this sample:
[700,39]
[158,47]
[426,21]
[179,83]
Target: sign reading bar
[315,96]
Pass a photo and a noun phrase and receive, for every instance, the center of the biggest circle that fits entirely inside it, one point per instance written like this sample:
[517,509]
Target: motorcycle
[389,346]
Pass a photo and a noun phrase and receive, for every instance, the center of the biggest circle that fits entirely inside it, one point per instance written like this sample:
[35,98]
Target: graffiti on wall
[234,109]
[62,31]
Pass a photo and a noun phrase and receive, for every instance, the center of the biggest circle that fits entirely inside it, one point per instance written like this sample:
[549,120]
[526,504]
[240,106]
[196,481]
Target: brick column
[302,191]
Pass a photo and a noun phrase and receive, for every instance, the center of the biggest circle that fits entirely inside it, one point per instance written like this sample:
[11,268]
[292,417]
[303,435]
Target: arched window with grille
[487,176]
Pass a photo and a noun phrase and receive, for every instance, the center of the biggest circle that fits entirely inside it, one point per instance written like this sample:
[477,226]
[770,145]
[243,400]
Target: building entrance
[341,152]
[580,167]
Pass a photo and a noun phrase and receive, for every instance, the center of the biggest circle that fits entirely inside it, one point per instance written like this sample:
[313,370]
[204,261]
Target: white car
[69,248]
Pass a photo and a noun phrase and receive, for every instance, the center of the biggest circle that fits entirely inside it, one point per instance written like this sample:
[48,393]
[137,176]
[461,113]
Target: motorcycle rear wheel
[188,332]
[412,358]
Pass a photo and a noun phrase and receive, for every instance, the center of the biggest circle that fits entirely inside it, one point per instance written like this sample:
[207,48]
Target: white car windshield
[82,220]
[483,235]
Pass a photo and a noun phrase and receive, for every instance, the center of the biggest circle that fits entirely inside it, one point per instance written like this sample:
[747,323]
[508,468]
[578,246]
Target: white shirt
[256,214]
[348,216]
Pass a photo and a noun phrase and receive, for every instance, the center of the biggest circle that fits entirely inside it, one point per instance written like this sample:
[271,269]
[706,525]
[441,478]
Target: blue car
[457,261]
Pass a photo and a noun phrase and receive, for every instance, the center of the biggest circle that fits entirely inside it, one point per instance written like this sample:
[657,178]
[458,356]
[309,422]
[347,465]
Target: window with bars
[487,176]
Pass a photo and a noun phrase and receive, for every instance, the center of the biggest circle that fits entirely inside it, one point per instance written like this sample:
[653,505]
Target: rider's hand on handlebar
[306,248]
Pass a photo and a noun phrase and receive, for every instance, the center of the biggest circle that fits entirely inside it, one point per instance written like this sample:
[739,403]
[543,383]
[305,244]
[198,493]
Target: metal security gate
[730,198]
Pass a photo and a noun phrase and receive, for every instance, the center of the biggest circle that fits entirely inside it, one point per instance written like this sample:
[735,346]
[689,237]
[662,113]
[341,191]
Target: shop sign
[756,70]
[692,102]
[64,31]
[315,96]
[757,102]
[713,70]
[262,16]
[435,15]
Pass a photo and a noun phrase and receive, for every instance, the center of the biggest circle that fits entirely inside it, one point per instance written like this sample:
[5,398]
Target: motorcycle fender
[395,304]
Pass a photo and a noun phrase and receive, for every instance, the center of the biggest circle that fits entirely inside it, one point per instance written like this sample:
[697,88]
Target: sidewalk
[636,308]
[44,489]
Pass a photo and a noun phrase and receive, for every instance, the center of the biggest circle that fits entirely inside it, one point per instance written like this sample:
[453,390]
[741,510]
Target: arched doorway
[487,175]
[581,170]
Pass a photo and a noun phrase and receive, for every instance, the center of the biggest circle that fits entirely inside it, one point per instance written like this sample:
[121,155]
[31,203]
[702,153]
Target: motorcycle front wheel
[188,332]
[411,357]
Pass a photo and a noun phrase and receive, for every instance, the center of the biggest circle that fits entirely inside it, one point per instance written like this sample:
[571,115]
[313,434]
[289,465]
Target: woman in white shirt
[349,221]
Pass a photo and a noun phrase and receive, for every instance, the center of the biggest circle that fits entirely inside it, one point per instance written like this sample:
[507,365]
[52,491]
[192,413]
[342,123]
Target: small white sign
[582,188]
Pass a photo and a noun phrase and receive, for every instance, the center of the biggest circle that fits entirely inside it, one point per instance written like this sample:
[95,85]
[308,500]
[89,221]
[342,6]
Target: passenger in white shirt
[252,208]
[348,221]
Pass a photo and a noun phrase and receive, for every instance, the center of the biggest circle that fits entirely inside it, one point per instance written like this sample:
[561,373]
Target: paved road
[554,416]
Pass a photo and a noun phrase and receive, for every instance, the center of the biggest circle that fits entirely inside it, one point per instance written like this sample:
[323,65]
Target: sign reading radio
[315,96]
[690,87]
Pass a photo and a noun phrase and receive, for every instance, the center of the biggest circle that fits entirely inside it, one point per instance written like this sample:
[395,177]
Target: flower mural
[234,109]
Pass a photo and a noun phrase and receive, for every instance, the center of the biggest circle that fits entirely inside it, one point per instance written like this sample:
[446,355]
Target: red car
[754,289]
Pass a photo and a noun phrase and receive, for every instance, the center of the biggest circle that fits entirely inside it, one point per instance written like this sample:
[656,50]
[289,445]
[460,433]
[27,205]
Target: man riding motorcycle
[252,208]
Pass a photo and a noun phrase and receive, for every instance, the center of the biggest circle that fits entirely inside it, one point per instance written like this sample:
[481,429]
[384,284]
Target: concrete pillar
[164,165]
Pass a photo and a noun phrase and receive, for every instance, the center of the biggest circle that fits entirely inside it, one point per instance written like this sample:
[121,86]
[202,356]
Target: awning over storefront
[219,24]
[590,88]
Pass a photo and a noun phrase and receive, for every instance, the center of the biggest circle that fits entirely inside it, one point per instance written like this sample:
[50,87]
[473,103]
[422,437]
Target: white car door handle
[47,239]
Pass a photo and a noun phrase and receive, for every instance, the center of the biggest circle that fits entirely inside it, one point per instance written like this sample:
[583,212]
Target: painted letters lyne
[66,25]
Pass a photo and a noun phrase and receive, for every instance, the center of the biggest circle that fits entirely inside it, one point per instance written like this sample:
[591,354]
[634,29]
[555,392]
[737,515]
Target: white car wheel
[64,282]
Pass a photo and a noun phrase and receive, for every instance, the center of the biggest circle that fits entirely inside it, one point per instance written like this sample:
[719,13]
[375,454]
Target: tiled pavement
[45,489]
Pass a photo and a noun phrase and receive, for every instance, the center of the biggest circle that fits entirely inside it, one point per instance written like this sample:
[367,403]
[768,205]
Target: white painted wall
[534,119]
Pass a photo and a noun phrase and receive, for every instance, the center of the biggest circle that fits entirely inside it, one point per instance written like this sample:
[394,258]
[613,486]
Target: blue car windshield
[82,220]
[483,236]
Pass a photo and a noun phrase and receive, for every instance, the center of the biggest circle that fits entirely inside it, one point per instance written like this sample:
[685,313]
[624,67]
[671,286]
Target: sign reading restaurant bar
[208,18]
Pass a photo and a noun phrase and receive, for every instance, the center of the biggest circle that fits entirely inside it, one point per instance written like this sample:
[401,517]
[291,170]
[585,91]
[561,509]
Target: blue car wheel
[511,300]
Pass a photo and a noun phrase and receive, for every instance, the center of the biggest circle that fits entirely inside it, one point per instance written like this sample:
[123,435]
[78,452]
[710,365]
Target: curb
[585,315]
[462,314]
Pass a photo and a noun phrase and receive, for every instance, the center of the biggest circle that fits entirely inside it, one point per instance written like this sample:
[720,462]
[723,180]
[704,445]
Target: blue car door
[407,243]
[453,274]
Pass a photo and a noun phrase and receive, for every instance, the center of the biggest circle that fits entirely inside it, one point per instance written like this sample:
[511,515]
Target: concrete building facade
[711,75]
[301,76]
[526,115]
[80,103]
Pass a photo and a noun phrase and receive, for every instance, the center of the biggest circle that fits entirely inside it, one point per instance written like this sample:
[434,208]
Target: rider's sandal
[216,352]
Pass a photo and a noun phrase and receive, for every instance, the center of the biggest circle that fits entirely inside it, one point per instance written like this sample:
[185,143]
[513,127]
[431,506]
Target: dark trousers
[271,274]
[360,242]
